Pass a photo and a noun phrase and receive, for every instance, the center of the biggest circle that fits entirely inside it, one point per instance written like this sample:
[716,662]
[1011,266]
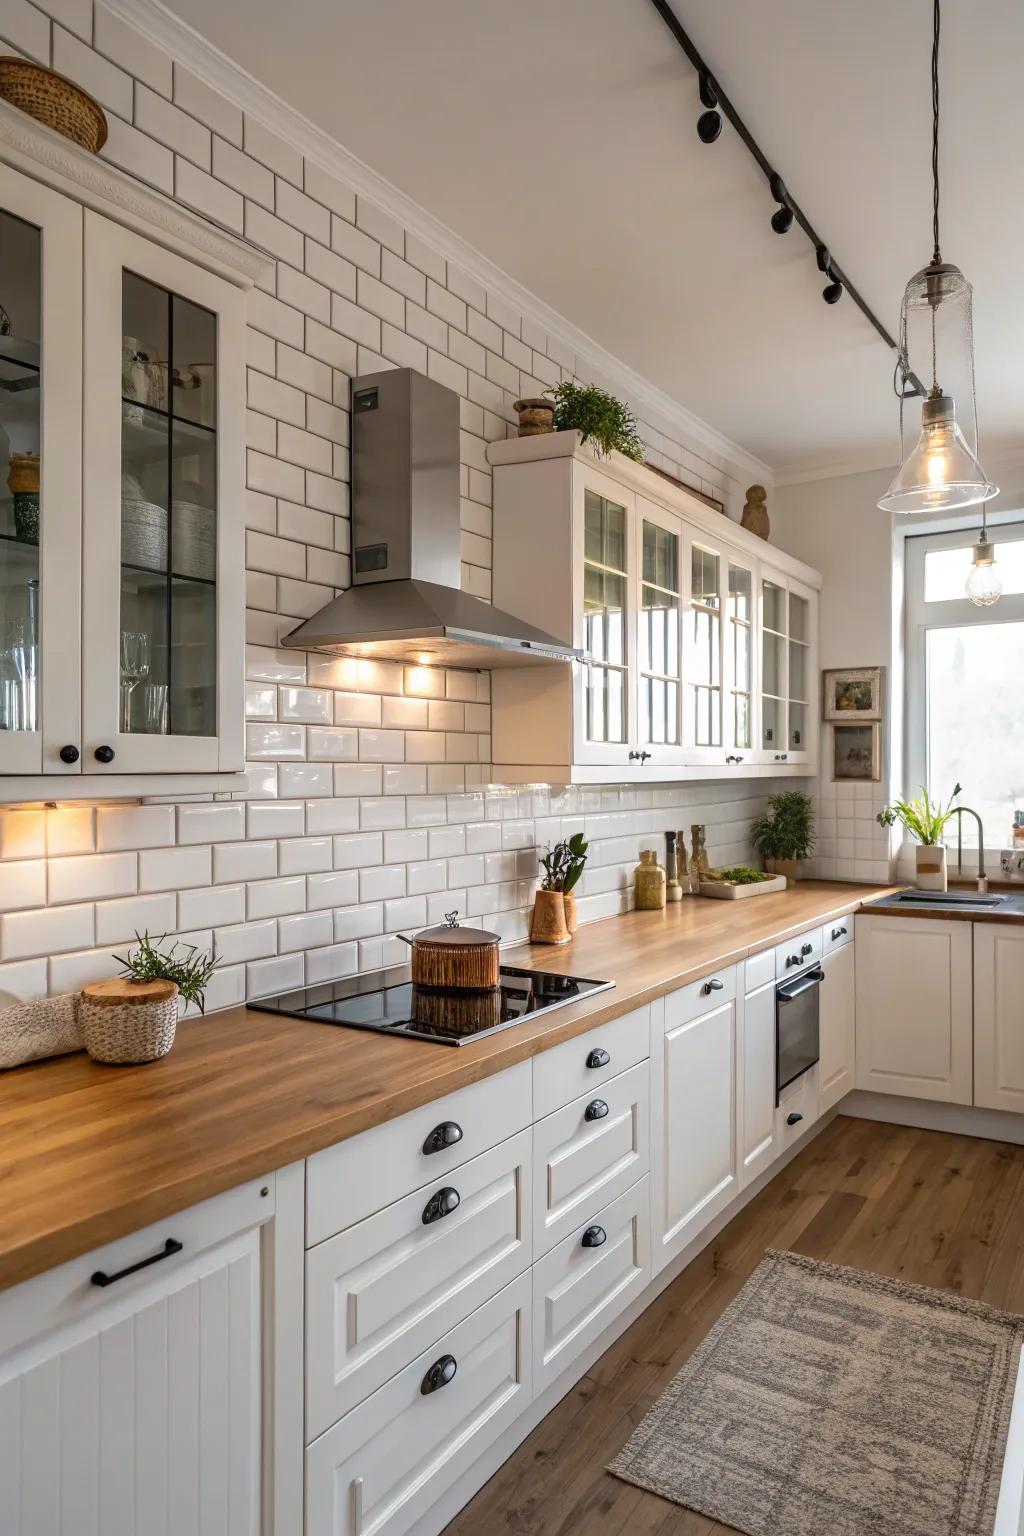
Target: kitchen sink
[1009,902]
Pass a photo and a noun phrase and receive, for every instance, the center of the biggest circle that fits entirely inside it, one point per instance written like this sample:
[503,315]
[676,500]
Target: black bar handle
[101,1278]
[598,1057]
[794,1118]
[439,1375]
[441,1204]
[794,988]
[595,1110]
[442,1137]
[593,1237]
[714,985]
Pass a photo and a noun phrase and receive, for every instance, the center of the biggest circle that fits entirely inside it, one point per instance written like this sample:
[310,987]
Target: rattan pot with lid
[127,1022]
[453,959]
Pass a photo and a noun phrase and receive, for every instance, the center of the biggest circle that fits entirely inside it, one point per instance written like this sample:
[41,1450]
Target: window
[964,668]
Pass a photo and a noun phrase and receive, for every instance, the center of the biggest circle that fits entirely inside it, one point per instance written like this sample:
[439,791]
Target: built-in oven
[796,1026]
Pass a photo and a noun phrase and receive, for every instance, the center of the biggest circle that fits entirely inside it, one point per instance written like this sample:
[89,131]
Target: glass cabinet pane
[741,652]
[169,491]
[20,510]
[659,638]
[604,617]
[773,606]
[705,647]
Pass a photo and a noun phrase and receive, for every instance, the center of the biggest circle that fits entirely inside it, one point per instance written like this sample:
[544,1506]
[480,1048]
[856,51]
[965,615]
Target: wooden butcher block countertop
[90,1153]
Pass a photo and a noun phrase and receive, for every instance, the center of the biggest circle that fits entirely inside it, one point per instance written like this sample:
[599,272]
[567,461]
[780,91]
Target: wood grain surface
[89,1153]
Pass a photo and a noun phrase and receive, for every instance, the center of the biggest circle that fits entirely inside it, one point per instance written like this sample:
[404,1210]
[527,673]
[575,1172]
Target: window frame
[954,613]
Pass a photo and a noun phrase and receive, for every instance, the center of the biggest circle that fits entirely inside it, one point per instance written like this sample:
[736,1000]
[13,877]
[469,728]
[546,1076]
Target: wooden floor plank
[930,1208]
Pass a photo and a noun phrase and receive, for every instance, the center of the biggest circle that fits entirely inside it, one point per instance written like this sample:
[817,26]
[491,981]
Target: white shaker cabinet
[837,1022]
[914,1007]
[755,1084]
[998,1016]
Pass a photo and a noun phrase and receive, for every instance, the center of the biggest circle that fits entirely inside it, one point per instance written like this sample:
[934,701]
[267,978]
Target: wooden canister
[536,416]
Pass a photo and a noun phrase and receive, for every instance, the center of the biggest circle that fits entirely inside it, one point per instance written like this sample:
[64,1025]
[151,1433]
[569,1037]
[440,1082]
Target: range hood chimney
[405,602]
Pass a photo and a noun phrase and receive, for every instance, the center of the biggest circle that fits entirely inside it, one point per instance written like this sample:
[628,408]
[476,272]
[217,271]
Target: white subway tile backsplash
[22,834]
[313,705]
[87,877]
[358,922]
[278,818]
[325,188]
[382,883]
[402,846]
[171,869]
[336,889]
[270,739]
[266,978]
[117,922]
[209,106]
[22,982]
[22,884]
[382,746]
[298,780]
[24,935]
[211,907]
[330,963]
[304,930]
[274,898]
[247,941]
[70,829]
[272,151]
[177,129]
[305,855]
[360,778]
[377,814]
[69,973]
[217,823]
[404,714]
[358,850]
[213,198]
[333,815]
[244,861]
[405,779]
[426,875]
[447,842]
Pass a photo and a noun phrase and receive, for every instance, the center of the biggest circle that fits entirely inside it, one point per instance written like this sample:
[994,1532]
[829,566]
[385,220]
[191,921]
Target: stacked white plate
[143,528]
[195,540]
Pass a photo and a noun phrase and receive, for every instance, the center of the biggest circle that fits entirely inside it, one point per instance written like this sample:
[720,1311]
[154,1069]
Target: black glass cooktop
[388,1002]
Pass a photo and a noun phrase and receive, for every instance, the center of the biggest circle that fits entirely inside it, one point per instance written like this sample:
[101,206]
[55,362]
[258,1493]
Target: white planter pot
[931,868]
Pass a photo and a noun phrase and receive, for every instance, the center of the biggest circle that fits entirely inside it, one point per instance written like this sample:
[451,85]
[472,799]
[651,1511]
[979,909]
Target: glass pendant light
[941,472]
[983,584]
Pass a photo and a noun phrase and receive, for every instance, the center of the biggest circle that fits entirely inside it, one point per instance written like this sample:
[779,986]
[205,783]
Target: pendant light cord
[936,254]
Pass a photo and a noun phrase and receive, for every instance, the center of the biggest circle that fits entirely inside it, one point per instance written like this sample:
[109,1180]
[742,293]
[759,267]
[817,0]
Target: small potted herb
[554,918]
[785,833]
[925,819]
[598,417]
[133,1017]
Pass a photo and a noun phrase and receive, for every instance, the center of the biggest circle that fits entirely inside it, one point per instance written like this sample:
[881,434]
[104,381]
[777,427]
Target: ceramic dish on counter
[748,882]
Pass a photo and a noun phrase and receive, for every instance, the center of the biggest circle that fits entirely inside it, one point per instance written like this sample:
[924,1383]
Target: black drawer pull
[101,1277]
[593,1237]
[838,933]
[598,1058]
[441,1204]
[596,1110]
[792,959]
[714,985]
[439,1375]
[794,1118]
[442,1136]
[807,949]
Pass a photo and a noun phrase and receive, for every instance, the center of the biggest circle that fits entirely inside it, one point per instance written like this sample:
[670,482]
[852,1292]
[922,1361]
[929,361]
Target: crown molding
[216,69]
[49,157]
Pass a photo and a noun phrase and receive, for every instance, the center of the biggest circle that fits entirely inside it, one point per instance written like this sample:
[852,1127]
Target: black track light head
[709,126]
[708,94]
[824,258]
[834,292]
[782,220]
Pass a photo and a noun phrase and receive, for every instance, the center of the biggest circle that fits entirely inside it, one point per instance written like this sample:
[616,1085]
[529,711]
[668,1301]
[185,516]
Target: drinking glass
[151,709]
[134,667]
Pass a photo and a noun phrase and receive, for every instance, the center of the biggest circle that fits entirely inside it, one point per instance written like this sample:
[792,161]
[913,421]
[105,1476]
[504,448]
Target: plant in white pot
[926,820]
[132,1018]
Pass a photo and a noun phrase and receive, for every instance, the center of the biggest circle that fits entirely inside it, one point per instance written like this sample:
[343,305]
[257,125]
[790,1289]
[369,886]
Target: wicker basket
[53,100]
[127,1022]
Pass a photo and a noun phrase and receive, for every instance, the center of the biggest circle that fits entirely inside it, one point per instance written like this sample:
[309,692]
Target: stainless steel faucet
[959,812]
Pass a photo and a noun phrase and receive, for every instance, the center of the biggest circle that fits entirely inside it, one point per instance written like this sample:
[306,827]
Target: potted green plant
[132,1018]
[925,819]
[785,833]
[598,417]
[554,909]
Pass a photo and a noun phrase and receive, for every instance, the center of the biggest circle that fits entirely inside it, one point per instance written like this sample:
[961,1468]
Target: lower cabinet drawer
[581,1064]
[382,1291]
[796,1110]
[582,1285]
[389,1460]
[589,1152]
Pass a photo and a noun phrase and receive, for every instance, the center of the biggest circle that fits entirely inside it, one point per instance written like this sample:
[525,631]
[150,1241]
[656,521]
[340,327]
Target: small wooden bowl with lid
[453,959]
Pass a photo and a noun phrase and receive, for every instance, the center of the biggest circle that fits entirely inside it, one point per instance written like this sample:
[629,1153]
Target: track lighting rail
[714,99]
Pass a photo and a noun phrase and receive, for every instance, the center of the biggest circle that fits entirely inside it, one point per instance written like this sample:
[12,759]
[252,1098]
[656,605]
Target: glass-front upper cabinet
[605,701]
[659,635]
[740,660]
[163,561]
[40,448]
[788,670]
[704,655]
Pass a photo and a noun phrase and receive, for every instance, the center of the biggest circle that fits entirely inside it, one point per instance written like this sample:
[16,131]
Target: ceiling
[557,136]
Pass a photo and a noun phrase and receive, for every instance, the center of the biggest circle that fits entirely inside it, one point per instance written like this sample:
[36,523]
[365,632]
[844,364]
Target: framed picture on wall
[853,693]
[857,752]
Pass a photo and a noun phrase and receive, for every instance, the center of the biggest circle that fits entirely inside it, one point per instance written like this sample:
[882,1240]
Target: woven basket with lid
[54,100]
[127,1022]
[450,958]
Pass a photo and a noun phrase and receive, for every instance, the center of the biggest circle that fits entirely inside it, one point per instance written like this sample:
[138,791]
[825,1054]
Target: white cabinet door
[755,1084]
[914,1007]
[789,670]
[604,567]
[837,1003]
[164,468]
[661,550]
[40,530]
[998,1016]
[378,1470]
[695,1158]
[143,1415]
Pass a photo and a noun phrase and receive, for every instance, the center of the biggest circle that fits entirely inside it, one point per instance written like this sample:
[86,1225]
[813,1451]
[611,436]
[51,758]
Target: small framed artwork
[857,752]
[853,693]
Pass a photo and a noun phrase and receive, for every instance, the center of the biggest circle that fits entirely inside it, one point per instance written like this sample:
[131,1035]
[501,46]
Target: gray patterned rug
[831,1400]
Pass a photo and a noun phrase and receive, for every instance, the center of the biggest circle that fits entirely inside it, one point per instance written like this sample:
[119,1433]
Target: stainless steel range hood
[405,602]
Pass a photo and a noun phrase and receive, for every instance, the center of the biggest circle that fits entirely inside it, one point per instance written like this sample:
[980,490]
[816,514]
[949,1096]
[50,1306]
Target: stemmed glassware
[134,667]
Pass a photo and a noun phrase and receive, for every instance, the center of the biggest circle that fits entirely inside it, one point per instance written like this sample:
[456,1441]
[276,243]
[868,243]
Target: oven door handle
[793,989]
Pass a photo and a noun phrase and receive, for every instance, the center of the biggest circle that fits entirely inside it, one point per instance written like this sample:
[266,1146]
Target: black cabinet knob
[792,959]
[794,1118]
[593,1237]
[598,1057]
[596,1110]
[439,1375]
[807,949]
[104,754]
[714,985]
[441,1137]
[69,754]
[441,1204]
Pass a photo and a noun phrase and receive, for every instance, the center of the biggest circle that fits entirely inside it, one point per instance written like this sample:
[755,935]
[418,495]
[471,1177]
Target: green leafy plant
[923,817]
[597,416]
[741,874]
[786,829]
[563,864]
[190,969]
